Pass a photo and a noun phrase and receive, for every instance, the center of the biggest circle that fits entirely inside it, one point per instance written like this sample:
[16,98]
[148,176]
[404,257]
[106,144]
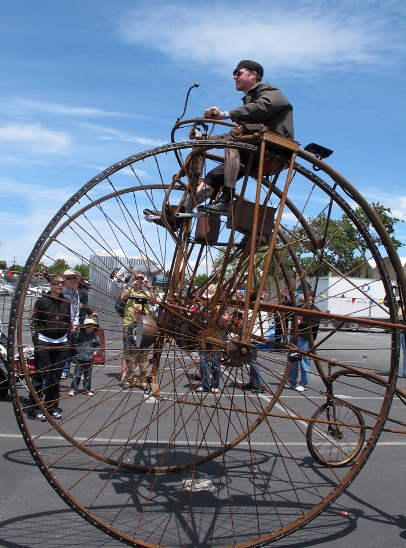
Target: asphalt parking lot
[372,511]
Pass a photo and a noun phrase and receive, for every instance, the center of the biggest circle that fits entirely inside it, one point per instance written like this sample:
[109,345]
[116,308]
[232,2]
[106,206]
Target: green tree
[342,246]
[388,221]
[15,268]
[3,265]
[344,249]
[200,279]
[83,269]
[59,266]
[234,267]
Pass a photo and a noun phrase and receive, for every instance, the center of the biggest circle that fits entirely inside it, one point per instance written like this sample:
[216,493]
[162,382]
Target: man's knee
[215,177]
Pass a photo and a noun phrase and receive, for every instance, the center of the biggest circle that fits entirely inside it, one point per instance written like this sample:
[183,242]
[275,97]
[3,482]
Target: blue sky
[86,83]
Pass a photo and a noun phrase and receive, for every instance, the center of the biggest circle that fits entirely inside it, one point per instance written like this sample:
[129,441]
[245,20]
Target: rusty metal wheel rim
[115,468]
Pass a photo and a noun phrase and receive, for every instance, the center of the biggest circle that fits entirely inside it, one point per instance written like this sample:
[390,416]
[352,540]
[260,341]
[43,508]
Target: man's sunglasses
[240,72]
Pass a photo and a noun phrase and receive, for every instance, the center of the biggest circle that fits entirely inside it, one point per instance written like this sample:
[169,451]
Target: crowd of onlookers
[64,333]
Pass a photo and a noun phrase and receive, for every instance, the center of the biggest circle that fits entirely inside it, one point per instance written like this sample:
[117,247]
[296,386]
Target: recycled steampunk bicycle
[176,467]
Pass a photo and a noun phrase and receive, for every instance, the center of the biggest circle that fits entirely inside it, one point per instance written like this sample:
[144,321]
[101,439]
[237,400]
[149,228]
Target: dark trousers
[48,358]
[215,177]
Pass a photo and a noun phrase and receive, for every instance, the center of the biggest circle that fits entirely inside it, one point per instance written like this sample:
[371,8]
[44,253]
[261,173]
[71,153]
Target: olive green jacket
[265,104]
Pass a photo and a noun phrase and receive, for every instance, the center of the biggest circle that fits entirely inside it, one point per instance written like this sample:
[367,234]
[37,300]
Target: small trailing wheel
[336,434]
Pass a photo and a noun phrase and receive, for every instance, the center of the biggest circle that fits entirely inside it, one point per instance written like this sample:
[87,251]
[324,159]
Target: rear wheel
[336,434]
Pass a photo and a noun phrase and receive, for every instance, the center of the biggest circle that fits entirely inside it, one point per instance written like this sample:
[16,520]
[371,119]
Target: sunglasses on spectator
[57,283]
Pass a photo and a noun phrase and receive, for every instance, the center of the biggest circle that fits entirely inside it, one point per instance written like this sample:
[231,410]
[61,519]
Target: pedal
[153,217]
[186,215]
[156,217]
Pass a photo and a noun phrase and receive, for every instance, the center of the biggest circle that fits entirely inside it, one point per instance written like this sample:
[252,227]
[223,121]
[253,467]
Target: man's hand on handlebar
[195,134]
[214,113]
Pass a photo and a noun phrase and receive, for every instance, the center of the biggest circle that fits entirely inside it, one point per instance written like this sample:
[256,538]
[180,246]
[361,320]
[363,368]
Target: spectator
[51,331]
[136,296]
[306,327]
[84,309]
[210,363]
[70,293]
[402,342]
[256,382]
[87,345]
[280,319]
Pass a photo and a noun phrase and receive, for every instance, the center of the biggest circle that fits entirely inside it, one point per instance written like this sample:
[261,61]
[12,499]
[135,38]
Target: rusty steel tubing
[181,430]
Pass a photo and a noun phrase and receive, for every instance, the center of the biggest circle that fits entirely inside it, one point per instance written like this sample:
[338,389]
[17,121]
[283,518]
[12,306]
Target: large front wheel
[175,466]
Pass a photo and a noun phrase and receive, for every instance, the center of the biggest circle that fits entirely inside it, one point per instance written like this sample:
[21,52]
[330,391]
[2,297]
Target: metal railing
[6,302]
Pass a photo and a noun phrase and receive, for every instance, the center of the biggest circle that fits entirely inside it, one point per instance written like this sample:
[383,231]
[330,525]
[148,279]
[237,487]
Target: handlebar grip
[215,111]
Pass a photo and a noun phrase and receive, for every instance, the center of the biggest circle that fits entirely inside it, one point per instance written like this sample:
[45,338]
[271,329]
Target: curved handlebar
[197,121]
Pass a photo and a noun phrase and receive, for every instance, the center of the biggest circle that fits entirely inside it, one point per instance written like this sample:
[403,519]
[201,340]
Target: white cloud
[291,37]
[397,204]
[106,134]
[36,138]
[16,160]
[27,209]
[35,195]
[72,260]
[59,108]
[399,208]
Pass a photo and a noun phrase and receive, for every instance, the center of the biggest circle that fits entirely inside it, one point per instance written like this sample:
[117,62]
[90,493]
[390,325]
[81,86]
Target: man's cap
[250,65]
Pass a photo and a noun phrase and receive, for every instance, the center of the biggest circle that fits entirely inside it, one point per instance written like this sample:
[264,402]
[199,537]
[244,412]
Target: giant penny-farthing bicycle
[175,467]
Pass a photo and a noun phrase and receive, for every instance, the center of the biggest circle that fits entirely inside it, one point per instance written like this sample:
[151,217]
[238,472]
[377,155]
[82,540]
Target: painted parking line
[291,395]
[187,443]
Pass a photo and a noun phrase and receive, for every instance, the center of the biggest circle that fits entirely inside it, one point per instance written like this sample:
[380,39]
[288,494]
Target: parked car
[39,290]
[3,365]
[6,288]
